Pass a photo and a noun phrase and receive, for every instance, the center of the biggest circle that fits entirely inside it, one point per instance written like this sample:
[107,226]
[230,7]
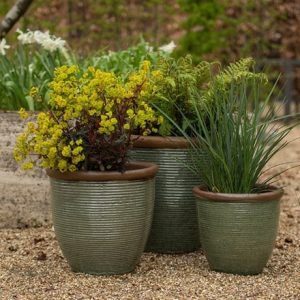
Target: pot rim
[202,194]
[171,142]
[134,171]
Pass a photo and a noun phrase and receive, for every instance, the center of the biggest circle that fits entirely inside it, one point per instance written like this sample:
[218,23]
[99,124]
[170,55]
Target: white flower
[40,37]
[48,42]
[53,44]
[168,47]
[25,38]
[3,46]
[60,43]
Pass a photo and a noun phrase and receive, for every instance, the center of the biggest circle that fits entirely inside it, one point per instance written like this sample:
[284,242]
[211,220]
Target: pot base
[238,272]
[103,273]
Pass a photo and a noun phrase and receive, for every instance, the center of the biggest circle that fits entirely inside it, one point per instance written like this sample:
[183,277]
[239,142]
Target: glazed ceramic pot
[174,227]
[238,231]
[102,219]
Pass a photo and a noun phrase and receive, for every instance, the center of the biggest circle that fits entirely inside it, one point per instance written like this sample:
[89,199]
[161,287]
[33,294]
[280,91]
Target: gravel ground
[32,265]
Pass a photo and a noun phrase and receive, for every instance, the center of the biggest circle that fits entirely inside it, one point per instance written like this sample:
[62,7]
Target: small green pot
[238,231]
[102,219]
[174,228]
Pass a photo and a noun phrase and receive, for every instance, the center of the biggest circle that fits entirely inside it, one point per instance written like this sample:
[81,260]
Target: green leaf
[30,102]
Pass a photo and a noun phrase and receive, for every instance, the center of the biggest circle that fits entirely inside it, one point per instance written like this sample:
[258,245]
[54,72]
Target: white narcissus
[40,36]
[25,37]
[3,47]
[168,47]
[53,44]
[47,41]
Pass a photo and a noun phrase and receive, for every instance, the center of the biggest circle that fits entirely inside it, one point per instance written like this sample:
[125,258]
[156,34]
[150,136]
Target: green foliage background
[231,29]
[223,29]
[93,25]
[202,36]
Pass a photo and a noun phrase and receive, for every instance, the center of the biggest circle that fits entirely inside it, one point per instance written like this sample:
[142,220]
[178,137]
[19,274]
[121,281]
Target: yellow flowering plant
[90,120]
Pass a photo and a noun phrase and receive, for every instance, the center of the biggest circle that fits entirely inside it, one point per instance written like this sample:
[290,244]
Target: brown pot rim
[134,171]
[273,194]
[171,142]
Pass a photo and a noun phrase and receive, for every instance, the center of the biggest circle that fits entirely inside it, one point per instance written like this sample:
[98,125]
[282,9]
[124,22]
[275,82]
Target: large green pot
[174,227]
[102,219]
[238,231]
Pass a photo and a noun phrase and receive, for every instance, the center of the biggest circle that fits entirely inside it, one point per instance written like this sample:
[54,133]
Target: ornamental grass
[233,140]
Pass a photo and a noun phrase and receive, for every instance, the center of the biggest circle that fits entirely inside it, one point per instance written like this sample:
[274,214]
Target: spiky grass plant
[232,146]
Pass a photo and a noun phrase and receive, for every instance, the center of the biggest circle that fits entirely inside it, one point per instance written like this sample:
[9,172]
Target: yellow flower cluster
[102,94]
[34,91]
[23,114]
[87,109]
[47,140]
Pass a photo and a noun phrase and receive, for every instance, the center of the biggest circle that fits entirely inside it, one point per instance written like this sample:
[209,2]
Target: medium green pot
[238,231]
[174,228]
[102,219]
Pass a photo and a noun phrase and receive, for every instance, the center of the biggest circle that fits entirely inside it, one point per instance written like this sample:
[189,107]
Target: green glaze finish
[102,227]
[174,227]
[238,237]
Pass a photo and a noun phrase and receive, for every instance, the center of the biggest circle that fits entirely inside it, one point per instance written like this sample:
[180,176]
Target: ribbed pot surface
[174,227]
[102,227]
[238,237]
